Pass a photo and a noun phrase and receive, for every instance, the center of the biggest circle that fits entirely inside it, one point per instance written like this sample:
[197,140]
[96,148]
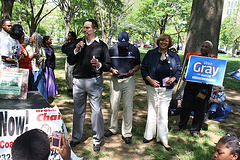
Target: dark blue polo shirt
[124,59]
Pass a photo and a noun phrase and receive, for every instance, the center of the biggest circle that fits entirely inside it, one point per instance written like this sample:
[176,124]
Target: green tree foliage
[152,17]
[156,14]
[35,20]
[84,13]
[33,10]
[230,30]
[109,13]
[71,9]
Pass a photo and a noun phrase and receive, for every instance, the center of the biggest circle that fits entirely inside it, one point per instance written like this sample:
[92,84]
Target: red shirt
[26,62]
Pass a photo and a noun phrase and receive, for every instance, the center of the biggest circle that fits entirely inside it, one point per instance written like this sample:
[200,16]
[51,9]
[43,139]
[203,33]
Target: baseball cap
[123,39]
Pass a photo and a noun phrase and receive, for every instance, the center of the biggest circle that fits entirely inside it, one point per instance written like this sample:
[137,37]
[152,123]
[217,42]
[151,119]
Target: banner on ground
[237,75]
[207,70]
[13,123]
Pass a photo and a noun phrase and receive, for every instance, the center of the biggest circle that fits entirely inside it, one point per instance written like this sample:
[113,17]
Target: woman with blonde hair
[160,69]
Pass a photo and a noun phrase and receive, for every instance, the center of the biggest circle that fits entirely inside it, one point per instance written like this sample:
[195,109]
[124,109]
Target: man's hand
[213,100]
[130,72]
[79,45]
[114,72]
[95,62]
[67,41]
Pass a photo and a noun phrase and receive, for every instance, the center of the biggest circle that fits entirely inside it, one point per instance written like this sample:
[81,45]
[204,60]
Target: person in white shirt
[10,47]
[6,27]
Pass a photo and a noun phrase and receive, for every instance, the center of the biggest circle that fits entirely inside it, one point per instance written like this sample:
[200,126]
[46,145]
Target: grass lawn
[185,147]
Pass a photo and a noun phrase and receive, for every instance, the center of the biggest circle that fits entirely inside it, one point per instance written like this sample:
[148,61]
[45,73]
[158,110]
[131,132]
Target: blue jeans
[217,108]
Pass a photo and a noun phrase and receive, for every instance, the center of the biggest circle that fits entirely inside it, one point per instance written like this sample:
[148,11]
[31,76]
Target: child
[228,147]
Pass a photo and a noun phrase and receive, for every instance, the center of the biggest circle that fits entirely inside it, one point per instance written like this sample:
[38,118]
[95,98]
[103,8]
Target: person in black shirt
[195,98]
[91,58]
[69,68]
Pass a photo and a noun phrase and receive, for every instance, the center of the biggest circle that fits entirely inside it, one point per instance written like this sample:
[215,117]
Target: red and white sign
[13,123]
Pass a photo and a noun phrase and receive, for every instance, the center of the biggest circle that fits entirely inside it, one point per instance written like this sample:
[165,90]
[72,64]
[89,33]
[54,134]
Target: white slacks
[157,118]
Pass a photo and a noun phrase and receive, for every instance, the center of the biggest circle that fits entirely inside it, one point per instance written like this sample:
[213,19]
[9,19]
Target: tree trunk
[154,37]
[32,28]
[236,42]
[67,26]
[142,42]
[184,43]
[205,23]
[19,17]
[6,10]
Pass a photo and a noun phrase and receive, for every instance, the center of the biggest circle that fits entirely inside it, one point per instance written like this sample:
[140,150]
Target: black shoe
[96,147]
[127,140]
[168,148]
[108,134]
[73,144]
[146,141]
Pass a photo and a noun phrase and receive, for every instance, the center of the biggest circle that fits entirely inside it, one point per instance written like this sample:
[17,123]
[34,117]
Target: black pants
[191,103]
[173,105]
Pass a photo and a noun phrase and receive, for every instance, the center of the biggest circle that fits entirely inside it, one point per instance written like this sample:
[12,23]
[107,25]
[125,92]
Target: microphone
[84,41]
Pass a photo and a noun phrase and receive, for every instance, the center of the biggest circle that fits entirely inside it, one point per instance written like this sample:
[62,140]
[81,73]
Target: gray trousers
[91,87]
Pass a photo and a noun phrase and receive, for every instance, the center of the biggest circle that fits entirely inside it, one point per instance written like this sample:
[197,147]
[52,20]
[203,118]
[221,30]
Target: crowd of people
[88,57]
[160,68]
[38,57]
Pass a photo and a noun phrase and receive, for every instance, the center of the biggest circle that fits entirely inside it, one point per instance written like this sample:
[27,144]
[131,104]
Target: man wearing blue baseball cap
[125,60]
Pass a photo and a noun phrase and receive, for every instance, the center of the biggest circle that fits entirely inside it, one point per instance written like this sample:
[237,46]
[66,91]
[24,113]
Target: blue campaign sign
[237,75]
[205,69]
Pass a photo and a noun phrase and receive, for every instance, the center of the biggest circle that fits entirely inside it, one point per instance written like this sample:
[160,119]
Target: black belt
[92,76]
[123,77]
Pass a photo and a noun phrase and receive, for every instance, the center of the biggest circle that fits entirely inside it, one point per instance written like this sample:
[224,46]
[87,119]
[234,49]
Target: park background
[144,20]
